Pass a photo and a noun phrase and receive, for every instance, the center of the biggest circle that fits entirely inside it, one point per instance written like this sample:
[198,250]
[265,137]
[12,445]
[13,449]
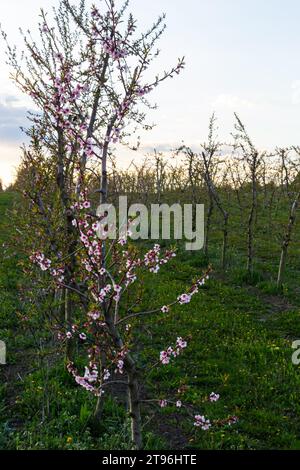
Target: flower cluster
[88,380]
[115,48]
[143,90]
[120,361]
[213,397]
[187,297]
[184,299]
[95,13]
[40,259]
[45,265]
[153,259]
[202,422]
[94,315]
[164,403]
[165,356]
[65,94]
[58,274]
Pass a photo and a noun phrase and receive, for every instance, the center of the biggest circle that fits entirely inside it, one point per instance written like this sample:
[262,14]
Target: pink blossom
[88,267]
[164,358]
[154,269]
[91,375]
[83,238]
[163,403]
[40,259]
[232,420]
[120,366]
[95,315]
[106,375]
[214,397]
[202,422]
[180,343]
[184,299]
[165,309]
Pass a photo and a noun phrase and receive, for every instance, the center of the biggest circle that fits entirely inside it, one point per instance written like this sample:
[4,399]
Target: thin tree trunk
[286,241]
[214,198]
[100,401]
[270,207]
[225,240]
[103,199]
[61,181]
[251,223]
[133,385]
[250,242]
[134,403]
[207,225]
[68,323]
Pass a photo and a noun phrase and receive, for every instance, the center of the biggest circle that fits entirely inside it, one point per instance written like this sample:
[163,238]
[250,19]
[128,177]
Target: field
[239,332]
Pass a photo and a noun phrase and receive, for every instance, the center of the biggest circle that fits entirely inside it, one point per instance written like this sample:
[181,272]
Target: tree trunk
[286,241]
[250,242]
[100,400]
[133,385]
[250,228]
[225,240]
[134,403]
[207,225]
[68,323]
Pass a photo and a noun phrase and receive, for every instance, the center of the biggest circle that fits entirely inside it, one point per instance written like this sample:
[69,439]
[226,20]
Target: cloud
[162,147]
[234,102]
[9,161]
[12,116]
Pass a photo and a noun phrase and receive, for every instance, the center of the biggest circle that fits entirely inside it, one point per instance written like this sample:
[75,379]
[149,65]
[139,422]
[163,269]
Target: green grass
[248,362]
[239,334]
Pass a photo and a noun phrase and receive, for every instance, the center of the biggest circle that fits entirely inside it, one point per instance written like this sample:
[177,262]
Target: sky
[241,56]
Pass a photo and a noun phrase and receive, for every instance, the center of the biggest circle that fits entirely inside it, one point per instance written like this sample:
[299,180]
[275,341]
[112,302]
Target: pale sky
[241,55]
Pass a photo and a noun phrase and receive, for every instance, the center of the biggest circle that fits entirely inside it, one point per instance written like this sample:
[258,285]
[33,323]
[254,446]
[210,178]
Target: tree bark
[68,323]
[207,225]
[251,217]
[286,241]
[134,403]
[133,385]
[225,240]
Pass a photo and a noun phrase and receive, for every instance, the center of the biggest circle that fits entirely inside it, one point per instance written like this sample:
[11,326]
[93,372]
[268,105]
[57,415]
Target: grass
[239,334]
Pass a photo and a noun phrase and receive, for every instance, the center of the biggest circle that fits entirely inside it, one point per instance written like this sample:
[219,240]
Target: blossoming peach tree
[110,269]
[88,83]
